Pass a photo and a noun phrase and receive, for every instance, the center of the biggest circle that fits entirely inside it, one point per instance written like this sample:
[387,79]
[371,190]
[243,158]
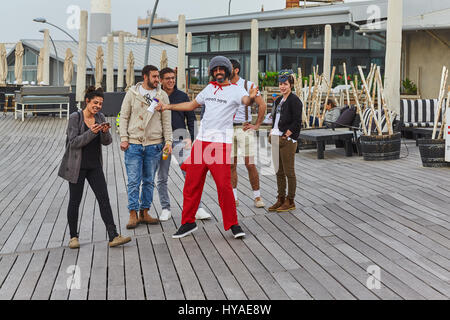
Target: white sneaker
[165,215]
[202,214]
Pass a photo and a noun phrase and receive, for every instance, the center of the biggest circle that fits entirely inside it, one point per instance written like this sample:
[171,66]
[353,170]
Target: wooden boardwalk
[352,215]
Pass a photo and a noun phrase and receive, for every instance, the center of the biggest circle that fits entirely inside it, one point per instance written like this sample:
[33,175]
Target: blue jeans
[142,163]
[180,155]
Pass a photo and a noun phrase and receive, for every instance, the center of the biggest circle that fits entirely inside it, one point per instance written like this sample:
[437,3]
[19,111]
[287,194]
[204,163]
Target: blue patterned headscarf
[284,75]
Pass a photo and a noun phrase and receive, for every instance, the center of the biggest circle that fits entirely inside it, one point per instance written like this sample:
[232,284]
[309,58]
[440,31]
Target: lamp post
[43,20]
[229,7]
[56,53]
[149,35]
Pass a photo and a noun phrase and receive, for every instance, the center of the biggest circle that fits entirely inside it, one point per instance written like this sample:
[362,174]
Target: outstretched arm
[185,106]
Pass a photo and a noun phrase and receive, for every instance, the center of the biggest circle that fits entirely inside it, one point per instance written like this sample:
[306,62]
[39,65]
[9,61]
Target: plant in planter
[432,151]
[380,142]
[408,87]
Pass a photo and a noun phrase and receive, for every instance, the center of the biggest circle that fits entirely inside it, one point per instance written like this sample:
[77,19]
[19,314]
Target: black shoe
[185,230]
[237,232]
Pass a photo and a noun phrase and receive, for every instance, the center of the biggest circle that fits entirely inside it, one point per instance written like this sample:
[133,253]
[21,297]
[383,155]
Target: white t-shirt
[221,105]
[147,94]
[240,114]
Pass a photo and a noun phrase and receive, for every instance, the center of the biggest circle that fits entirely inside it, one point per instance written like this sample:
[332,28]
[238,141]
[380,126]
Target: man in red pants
[212,149]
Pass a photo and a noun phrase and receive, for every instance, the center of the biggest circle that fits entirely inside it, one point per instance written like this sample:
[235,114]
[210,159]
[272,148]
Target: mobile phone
[105,124]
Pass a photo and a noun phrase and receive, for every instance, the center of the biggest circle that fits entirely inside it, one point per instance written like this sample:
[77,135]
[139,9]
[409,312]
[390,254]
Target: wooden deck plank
[351,214]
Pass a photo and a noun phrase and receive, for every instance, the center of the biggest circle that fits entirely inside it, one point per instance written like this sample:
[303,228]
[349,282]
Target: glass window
[200,43]
[377,45]
[204,72]
[361,42]
[272,63]
[262,40]
[289,63]
[306,65]
[315,40]
[30,76]
[247,40]
[297,42]
[225,42]
[345,40]
[334,39]
[272,39]
[286,42]
[29,58]
[194,70]
[339,64]
[246,74]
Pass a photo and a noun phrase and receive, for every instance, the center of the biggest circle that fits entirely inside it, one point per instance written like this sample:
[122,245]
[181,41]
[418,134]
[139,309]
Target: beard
[151,85]
[221,79]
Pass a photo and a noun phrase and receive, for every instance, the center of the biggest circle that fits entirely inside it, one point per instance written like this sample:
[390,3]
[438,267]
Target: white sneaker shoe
[165,215]
[202,214]
[259,203]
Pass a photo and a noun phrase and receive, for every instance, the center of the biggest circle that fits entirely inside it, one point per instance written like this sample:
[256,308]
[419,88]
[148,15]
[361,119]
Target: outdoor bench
[51,98]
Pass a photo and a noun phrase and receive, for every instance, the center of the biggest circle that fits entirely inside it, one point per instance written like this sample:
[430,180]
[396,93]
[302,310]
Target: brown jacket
[138,126]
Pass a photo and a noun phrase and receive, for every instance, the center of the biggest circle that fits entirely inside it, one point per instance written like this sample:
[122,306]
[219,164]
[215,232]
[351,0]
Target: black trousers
[97,181]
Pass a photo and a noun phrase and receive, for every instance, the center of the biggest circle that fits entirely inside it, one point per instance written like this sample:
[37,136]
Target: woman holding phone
[87,131]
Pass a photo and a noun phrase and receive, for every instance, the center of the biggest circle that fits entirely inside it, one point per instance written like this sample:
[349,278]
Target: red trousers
[215,157]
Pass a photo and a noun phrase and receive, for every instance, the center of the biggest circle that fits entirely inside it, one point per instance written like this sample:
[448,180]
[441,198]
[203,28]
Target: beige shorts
[244,143]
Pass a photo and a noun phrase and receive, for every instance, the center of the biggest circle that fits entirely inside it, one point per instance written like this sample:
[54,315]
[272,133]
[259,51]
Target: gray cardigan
[77,138]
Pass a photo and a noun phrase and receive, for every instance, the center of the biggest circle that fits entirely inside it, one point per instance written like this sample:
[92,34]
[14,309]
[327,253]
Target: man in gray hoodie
[144,136]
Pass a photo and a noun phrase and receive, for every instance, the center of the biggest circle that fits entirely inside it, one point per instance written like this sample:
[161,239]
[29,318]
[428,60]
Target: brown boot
[132,224]
[277,205]
[145,218]
[288,205]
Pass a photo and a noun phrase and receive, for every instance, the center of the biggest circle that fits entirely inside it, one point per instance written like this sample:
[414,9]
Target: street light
[43,20]
[149,35]
[56,53]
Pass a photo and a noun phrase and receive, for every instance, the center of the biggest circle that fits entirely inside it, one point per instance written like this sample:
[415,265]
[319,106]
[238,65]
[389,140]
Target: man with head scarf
[212,149]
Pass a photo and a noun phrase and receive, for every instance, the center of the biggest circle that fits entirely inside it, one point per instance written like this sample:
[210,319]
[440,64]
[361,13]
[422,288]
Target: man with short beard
[212,149]
[142,136]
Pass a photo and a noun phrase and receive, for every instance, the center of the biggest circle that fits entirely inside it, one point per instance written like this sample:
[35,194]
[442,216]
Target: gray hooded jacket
[77,138]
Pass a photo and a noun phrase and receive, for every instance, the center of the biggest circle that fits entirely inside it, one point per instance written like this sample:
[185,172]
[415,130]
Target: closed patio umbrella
[130,70]
[99,67]
[18,67]
[68,68]
[3,65]
[164,60]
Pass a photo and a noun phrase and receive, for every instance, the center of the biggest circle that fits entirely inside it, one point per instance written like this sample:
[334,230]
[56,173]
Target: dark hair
[147,69]
[93,92]
[333,105]
[165,71]
[236,64]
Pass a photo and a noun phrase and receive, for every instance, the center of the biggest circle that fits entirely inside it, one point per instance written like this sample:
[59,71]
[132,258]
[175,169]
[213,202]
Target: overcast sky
[17,16]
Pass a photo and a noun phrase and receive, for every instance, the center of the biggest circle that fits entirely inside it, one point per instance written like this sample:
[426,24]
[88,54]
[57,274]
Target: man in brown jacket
[144,136]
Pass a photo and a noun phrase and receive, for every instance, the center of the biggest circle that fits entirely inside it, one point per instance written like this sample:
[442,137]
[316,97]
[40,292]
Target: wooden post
[370,102]
[358,107]
[444,77]
[346,84]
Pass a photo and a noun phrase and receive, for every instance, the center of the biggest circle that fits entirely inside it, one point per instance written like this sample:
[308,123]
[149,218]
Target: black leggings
[97,181]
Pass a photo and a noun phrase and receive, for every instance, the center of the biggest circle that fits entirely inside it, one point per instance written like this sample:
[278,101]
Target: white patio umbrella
[164,60]
[40,67]
[130,70]
[68,68]
[3,65]
[99,67]
[18,67]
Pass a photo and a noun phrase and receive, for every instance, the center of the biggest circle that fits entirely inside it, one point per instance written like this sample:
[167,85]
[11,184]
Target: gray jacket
[77,138]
